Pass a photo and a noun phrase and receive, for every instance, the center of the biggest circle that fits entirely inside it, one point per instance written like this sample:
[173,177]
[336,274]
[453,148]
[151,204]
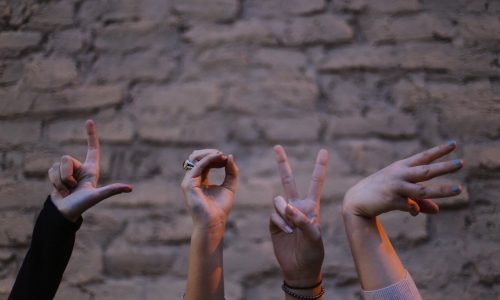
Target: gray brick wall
[371,80]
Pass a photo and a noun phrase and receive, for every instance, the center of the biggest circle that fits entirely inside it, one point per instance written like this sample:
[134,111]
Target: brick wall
[371,80]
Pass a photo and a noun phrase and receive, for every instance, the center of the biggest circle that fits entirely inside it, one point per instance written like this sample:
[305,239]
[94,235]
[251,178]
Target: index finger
[93,147]
[318,175]
[287,179]
[430,155]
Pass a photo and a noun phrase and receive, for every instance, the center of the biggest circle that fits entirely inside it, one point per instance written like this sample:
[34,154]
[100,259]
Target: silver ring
[187,165]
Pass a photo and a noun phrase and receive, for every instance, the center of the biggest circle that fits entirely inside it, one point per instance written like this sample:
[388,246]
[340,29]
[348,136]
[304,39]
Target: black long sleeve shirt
[50,250]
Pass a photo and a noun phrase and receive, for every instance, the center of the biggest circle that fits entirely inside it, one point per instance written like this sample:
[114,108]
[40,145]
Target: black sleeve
[51,246]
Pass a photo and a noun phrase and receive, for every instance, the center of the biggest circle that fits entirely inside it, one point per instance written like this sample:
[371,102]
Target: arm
[397,187]
[295,231]
[209,206]
[75,190]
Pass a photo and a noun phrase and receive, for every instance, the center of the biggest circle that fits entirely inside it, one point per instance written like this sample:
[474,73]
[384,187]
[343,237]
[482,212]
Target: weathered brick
[404,226]
[152,260]
[192,99]
[10,72]
[12,42]
[15,101]
[246,32]
[112,129]
[86,262]
[409,95]
[479,28]
[370,155]
[153,192]
[36,164]
[482,156]
[125,289]
[16,228]
[390,125]
[133,36]
[419,27]
[168,285]
[291,130]
[24,194]
[263,259]
[176,229]
[324,29]
[277,8]
[219,10]
[15,133]
[379,6]
[254,193]
[68,41]
[50,72]
[280,58]
[411,56]
[136,66]
[82,98]
[461,200]
[280,95]
[67,291]
[52,15]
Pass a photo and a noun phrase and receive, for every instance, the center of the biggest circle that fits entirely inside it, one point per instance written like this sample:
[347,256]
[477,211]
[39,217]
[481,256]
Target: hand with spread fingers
[209,206]
[400,186]
[75,183]
[295,230]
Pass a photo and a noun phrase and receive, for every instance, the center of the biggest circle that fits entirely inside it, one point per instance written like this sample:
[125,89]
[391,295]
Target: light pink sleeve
[402,290]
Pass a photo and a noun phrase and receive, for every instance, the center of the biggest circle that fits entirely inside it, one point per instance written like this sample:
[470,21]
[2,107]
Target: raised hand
[210,204]
[400,186]
[295,224]
[75,183]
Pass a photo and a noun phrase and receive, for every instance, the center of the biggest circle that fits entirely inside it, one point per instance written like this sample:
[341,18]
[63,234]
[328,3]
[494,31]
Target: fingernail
[451,143]
[290,210]
[288,229]
[458,162]
[455,189]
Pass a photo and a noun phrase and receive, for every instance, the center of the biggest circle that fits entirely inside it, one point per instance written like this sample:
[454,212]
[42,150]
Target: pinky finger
[278,221]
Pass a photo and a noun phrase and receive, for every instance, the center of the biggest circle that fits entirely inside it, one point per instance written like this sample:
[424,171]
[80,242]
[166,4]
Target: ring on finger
[187,165]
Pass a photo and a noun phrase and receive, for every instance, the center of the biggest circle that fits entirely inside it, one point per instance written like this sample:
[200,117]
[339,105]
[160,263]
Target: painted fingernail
[451,143]
[288,229]
[455,189]
[458,162]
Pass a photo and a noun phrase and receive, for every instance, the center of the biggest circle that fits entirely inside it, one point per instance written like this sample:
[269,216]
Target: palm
[217,201]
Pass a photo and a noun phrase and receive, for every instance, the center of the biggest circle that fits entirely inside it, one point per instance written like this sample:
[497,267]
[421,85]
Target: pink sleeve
[402,290]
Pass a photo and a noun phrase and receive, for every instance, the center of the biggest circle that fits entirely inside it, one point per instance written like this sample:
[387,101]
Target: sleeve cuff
[54,219]
[402,290]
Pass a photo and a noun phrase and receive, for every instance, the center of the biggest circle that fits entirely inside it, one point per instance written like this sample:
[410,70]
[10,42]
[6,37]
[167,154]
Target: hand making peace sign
[75,184]
[295,224]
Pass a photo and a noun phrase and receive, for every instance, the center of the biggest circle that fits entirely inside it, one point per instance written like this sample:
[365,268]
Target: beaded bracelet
[287,289]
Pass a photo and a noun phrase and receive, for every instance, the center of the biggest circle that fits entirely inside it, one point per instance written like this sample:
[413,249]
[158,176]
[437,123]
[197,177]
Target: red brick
[278,8]
[50,73]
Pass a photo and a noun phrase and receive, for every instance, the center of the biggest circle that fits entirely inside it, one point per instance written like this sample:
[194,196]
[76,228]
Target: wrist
[311,292]
[303,283]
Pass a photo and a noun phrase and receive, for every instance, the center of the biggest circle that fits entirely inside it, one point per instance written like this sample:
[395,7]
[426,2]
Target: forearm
[205,274]
[377,262]
[49,253]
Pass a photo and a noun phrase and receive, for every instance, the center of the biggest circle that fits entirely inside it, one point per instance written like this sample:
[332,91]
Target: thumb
[302,222]
[111,190]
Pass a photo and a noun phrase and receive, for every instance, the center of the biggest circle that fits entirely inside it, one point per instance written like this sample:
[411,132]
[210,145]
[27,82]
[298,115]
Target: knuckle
[421,191]
[287,179]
